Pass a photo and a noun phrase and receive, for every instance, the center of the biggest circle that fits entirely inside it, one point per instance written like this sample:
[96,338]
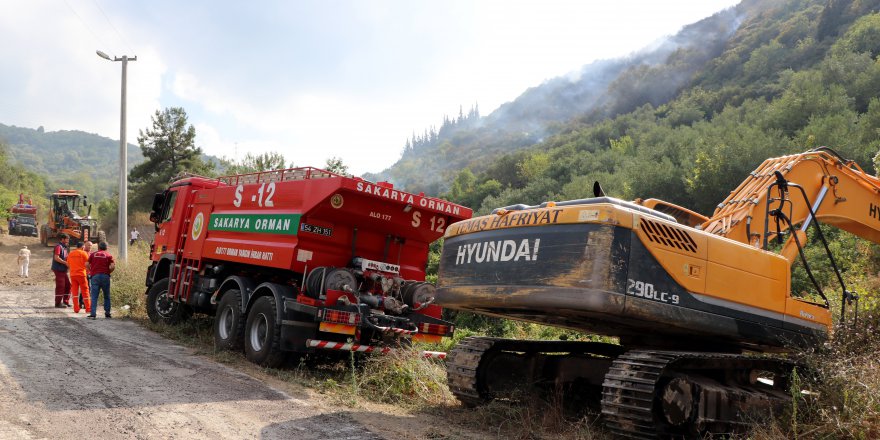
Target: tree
[169,149]
[335,165]
[462,186]
[251,163]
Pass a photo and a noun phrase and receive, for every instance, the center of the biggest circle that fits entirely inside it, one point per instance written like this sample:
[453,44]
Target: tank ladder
[184,269]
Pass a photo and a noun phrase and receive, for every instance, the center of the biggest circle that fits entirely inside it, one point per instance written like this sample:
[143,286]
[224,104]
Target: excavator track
[643,394]
[649,394]
[462,367]
[479,369]
[628,393]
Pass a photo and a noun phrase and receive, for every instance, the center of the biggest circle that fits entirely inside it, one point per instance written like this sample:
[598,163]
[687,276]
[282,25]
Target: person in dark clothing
[100,265]
[59,267]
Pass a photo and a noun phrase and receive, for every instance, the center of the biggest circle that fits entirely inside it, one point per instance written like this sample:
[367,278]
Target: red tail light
[341,317]
[436,329]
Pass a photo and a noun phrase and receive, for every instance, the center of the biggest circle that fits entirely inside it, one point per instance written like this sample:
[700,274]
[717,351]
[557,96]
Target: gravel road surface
[63,376]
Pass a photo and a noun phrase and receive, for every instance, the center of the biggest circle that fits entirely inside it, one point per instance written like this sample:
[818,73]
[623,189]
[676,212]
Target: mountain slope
[71,159]
[795,75]
[600,89]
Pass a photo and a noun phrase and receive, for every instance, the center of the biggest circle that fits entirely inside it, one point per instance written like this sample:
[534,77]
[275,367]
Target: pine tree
[169,149]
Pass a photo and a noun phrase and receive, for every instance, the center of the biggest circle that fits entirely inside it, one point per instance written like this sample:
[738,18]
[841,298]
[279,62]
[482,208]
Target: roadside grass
[534,418]
[848,382]
[842,383]
[845,402]
[127,284]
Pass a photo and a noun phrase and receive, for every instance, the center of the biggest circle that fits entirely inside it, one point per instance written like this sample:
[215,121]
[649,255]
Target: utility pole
[123,161]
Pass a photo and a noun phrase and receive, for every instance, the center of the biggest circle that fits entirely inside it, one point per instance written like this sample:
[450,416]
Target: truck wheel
[160,307]
[262,335]
[228,323]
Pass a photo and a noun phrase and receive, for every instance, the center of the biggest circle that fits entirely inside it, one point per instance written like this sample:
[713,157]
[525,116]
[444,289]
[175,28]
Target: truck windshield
[25,220]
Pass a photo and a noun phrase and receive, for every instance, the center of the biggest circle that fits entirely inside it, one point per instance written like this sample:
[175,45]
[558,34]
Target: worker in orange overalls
[76,261]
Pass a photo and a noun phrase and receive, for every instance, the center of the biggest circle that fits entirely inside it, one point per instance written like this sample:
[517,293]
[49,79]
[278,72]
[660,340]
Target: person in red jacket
[59,268]
[100,265]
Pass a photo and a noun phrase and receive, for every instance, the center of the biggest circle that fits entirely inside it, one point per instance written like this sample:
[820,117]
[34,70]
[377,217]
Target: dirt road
[66,377]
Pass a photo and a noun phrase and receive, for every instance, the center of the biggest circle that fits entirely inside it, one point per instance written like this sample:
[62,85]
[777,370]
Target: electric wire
[83,22]
[121,37]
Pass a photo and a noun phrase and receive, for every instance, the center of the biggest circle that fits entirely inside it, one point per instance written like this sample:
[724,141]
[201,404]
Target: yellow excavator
[699,304]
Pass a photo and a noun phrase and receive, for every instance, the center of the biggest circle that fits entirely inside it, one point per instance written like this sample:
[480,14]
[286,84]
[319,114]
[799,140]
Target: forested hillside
[68,158]
[600,89]
[796,75]
[762,79]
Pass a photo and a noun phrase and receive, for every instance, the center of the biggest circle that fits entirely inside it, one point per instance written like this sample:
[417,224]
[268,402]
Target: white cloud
[298,78]
[58,81]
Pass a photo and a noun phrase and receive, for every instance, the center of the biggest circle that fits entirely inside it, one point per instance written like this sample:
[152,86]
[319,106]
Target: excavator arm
[838,192]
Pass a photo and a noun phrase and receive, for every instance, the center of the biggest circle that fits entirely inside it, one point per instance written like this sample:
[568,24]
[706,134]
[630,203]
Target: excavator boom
[840,194]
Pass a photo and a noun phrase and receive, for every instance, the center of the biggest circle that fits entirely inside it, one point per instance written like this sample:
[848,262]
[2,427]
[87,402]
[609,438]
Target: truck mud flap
[298,325]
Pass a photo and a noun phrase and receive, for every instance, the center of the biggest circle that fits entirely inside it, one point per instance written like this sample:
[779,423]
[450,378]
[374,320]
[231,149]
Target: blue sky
[308,79]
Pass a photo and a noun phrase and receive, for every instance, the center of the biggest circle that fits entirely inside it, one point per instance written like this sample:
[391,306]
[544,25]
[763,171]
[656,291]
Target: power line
[94,35]
[121,37]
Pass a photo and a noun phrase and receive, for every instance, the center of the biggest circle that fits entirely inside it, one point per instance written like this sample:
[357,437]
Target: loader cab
[65,205]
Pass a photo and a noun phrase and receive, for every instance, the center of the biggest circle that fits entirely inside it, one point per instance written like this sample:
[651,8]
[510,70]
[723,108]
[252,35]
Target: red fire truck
[295,260]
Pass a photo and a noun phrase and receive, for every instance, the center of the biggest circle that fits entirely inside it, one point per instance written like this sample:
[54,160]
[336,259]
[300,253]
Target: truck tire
[262,335]
[229,322]
[161,308]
